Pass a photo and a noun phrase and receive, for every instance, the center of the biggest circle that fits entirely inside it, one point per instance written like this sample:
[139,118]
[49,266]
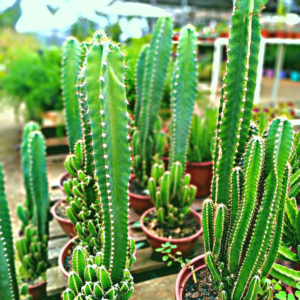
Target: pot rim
[164,240]
[37,285]
[56,216]
[138,196]
[180,283]
[61,257]
[61,179]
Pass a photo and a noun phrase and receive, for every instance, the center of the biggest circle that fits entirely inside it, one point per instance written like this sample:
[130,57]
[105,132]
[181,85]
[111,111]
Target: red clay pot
[184,245]
[185,274]
[67,226]
[139,203]
[38,291]
[201,175]
[265,33]
[64,177]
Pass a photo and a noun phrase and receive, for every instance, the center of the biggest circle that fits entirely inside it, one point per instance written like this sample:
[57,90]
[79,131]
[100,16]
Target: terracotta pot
[265,33]
[280,34]
[140,203]
[64,177]
[201,176]
[67,226]
[38,291]
[184,245]
[185,274]
[63,254]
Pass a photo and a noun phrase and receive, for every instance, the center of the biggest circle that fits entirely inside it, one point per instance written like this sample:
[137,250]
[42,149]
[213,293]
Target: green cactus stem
[150,79]
[70,69]
[8,281]
[171,191]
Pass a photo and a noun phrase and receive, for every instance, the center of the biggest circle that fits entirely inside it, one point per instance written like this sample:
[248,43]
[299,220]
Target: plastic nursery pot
[140,203]
[38,291]
[185,274]
[201,176]
[67,226]
[184,245]
[63,254]
[64,177]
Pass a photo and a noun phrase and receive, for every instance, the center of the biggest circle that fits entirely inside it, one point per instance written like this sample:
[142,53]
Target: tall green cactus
[244,219]
[32,248]
[148,141]
[101,265]
[170,191]
[8,280]
[70,69]
[25,212]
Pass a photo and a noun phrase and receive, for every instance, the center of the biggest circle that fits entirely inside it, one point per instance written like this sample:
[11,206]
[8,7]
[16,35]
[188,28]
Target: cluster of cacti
[201,141]
[243,221]
[170,191]
[100,170]
[8,280]
[70,69]
[32,247]
[148,140]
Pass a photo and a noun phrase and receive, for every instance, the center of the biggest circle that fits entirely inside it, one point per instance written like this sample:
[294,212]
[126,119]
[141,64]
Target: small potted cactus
[100,169]
[8,279]
[172,218]
[70,70]
[148,140]
[243,219]
[200,150]
[32,245]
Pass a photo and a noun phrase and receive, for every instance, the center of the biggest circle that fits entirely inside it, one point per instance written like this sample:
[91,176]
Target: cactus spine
[170,191]
[243,221]
[32,248]
[70,69]
[8,280]
[102,263]
[148,142]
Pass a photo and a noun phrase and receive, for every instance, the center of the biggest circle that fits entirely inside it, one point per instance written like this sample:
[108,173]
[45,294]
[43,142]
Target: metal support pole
[261,56]
[184,4]
[279,64]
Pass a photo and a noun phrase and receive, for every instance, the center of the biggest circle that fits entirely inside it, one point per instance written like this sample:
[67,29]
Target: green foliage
[170,191]
[148,142]
[34,79]
[101,165]
[201,143]
[70,69]
[244,219]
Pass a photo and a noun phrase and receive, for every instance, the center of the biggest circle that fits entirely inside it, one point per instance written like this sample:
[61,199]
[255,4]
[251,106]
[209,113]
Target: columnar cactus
[148,141]
[70,69]
[243,221]
[295,166]
[25,212]
[8,280]
[32,248]
[100,170]
[170,191]
[201,141]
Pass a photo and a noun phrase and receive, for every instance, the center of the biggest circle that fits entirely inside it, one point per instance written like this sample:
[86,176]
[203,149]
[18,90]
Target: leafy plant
[100,165]
[201,143]
[32,247]
[148,141]
[70,69]
[243,221]
[8,280]
[170,191]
